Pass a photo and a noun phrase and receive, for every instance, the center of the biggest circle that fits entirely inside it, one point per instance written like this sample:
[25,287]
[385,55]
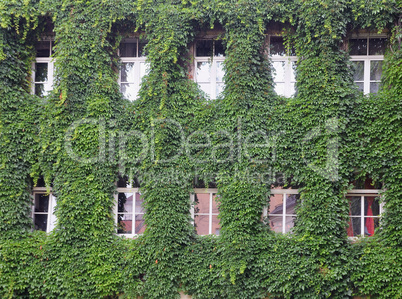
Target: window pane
[215,204]
[279,71]
[41,203]
[139,224]
[275,222]
[40,222]
[138,204]
[360,86]
[128,72]
[371,206]
[125,203]
[203,71]
[40,90]
[202,200]
[292,88]
[129,91]
[280,88]
[293,72]
[141,48]
[276,204]
[128,49]
[370,224]
[144,69]
[291,202]
[375,69]
[374,87]
[124,224]
[205,87]
[204,48]
[41,72]
[219,49]
[358,67]
[219,88]
[355,205]
[215,225]
[377,46]
[289,223]
[219,71]
[201,223]
[277,48]
[358,46]
[42,49]
[354,227]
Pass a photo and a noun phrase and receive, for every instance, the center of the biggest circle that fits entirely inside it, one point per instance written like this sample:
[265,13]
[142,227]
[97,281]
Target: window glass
[358,46]
[204,71]
[128,49]
[377,46]
[358,74]
[375,69]
[43,49]
[364,215]
[282,212]
[277,47]
[219,49]
[133,67]
[43,211]
[41,203]
[206,214]
[209,71]
[204,48]
[130,213]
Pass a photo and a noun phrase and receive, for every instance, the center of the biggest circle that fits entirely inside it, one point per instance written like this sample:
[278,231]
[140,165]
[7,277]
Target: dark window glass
[141,50]
[40,90]
[41,72]
[204,48]
[128,49]
[377,46]
[358,46]
[41,203]
[277,46]
[42,49]
[41,222]
[219,49]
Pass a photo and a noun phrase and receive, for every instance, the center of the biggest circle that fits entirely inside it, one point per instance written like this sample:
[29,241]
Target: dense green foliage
[252,132]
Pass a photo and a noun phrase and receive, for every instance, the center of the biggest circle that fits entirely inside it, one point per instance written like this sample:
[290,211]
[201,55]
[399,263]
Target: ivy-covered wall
[172,133]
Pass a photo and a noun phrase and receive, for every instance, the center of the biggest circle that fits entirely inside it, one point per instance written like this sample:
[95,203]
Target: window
[364,211]
[129,211]
[205,213]
[209,58]
[43,67]
[43,210]
[284,65]
[281,214]
[367,55]
[133,67]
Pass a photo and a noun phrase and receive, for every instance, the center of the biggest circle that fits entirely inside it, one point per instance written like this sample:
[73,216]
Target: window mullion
[362,215]
[284,214]
[210,213]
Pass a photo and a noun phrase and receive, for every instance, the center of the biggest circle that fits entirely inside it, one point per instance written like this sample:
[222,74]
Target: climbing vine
[84,135]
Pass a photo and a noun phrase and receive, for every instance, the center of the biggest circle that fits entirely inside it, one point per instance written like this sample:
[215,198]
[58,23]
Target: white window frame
[134,191]
[354,192]
[367,61]
[210,214]
[288,60]
[284,193]
[213,61]
[48,86]
[363,193]
[137,68]
[51,217]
